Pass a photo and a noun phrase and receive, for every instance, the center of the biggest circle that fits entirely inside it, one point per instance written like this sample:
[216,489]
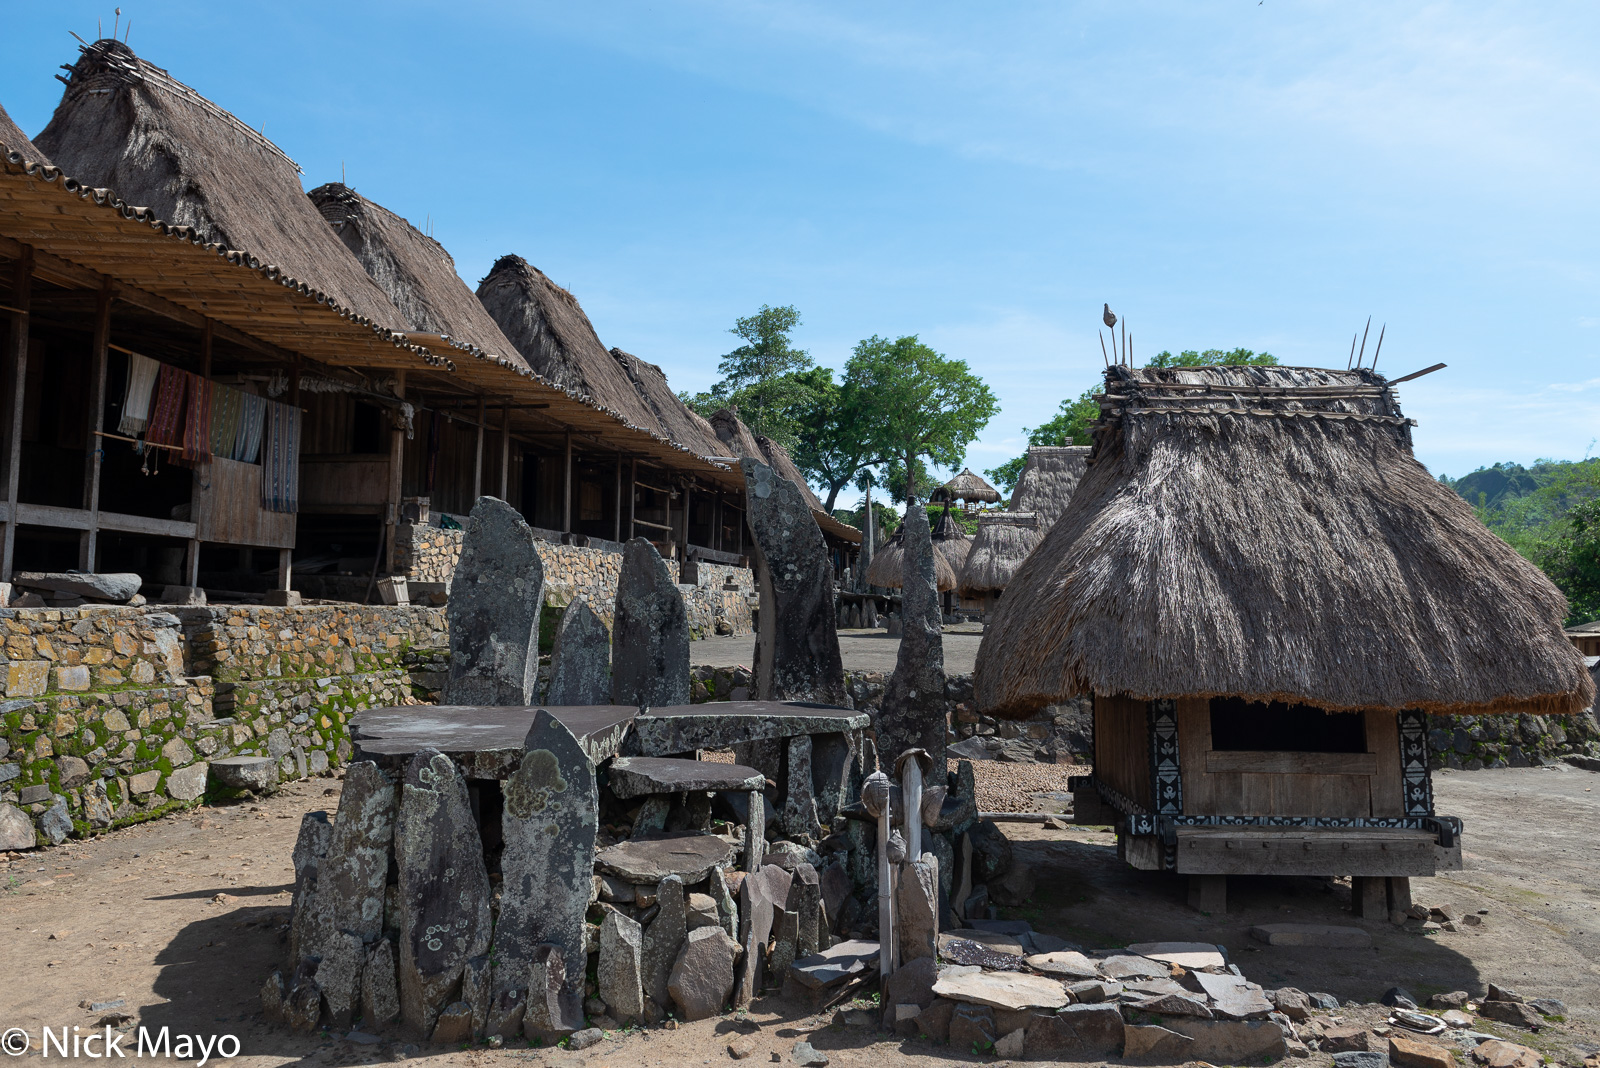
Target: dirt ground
[136,915]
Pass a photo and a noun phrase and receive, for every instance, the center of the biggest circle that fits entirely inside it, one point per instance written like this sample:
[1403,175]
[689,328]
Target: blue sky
[1223,173]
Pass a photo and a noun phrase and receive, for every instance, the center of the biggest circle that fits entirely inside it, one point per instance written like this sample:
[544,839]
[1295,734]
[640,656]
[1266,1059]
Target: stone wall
[113,714]
[1473,742]
[718,603]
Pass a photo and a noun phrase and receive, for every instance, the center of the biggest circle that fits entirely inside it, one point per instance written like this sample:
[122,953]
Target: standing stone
[548,826]
[493,614]
[380,996]
[316,832]
[443,889]
[755,831]
[580,663]
[917,912]
[797,640]
[344,958]
[727,908]
[799,802]
[702,975]
[912,713]
[761,896]
[619,973]
[547,979]
[649,632]
[663,937]
[805,901]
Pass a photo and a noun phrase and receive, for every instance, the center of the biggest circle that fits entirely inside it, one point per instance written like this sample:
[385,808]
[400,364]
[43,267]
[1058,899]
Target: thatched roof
[1048,480]
[744,442]
[15,140]
[682,424]
[550,329]
[888,564]
[1003,541]
[967,486]
[128,125]
[951,542]
[1264,532]
[413,270]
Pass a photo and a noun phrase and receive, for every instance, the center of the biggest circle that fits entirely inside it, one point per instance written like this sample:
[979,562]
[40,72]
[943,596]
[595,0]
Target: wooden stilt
[21,298]
[1369,897]
[94,450]
[1209,894]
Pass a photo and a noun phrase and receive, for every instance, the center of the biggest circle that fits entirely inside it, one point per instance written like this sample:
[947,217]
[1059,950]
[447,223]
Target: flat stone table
[808,749]
[659,779]
[485,741]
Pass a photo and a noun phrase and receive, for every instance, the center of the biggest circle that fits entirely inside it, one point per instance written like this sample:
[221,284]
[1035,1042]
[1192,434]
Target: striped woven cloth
[226,406]
[280,459]
[247,440]
[166,414]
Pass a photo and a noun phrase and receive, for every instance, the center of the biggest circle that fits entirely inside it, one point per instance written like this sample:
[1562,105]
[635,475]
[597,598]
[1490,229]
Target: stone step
[641,776]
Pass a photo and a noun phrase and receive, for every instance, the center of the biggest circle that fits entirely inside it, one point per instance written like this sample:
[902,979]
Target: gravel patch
[1005,787]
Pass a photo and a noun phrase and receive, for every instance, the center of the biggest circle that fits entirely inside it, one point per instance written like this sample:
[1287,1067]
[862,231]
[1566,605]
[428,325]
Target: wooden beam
[21,296]
[566,489]
[477,456]
[49,515]
[94,450]
[1290,763]
[505,452]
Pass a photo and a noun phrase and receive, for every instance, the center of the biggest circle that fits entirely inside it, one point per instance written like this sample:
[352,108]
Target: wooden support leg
[1399,887]
[1369,897]
[285,567]
[191,569]
[1209,894]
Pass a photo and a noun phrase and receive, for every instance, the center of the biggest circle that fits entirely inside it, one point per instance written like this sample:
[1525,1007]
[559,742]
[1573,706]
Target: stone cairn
[467,898]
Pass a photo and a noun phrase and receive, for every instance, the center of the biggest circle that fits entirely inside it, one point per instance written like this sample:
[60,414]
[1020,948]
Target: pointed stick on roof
[1363,353]
[1380,346]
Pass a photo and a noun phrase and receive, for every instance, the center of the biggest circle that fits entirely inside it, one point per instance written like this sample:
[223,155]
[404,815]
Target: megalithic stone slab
[547,978]
[762,896]
[350,876]
[912,713]
[797,640]
[649,632]
[548,825]
[799,802]
[620,973]
[495,599]
[316,831]
[380,996]
[917,918]
[663,938]
[580,662]
[443,888]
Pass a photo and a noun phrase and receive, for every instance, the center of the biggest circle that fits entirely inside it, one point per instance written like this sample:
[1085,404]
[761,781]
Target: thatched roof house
[127,125]
[1265,593]
[889,561]
[1005,539]
[967,486]
[548,326]
[1048,481]
[739,440]
[414,271]
[951,542]
[1259,532]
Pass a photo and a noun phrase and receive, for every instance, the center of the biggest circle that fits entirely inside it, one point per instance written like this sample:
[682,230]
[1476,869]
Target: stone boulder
[702,976]
[580,662]
[495,600]
[16,829]
[649,632]
[255,773]
[112,588]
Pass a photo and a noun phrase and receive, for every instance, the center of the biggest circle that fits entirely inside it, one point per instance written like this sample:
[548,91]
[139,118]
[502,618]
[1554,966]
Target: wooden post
[911,790]
[191,569]
[21,299]
[1369,897]
[205,349]
[505,451]
[285,568]
[477,458]
[88,543]
[566,489]
[886,931]
[617,525]
[633,494]
[397,458]
[688,490]
[1209,893]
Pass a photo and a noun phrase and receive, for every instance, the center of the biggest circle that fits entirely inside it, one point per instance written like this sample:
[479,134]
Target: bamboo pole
[88,545]
[22,294]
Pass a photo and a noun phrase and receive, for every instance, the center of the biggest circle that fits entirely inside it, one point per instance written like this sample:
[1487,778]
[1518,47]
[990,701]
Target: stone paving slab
[486,740]
[678,729]
[641,776]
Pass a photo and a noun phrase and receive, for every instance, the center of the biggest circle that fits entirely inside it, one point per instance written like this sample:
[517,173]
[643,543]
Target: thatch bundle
[967,486]
[951,542]
[1003,541]
[128,125]
[1265,533]
[550,329]
[888,565]
[1048,480]
[681,423]
[413,270]
[14,140]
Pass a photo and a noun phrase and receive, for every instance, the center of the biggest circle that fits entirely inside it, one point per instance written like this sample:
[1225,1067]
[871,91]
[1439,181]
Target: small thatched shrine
[888,564]
[967,487]
[1005,539]
[1267,596]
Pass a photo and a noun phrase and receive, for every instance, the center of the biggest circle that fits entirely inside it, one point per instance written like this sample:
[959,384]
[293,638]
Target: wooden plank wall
[1285,784]
[1122,747]
[227,507]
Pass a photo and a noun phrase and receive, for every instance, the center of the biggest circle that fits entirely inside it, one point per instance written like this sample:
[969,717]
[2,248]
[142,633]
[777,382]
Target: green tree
[764,378]
[1572,560]
[924,404]
[833,447]
[1073,423]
